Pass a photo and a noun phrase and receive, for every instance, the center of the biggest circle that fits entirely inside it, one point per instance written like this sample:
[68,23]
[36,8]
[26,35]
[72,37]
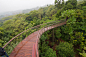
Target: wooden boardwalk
[24,48]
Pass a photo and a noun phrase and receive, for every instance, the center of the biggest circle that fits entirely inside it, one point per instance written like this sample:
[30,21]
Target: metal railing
[35,52]
[9,47]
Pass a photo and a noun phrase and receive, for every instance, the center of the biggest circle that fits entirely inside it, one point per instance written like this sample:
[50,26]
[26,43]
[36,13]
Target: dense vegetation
[13,25]
[65,41]
[68,40]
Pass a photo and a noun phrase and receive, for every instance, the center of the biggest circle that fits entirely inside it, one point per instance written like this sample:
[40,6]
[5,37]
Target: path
[24,48]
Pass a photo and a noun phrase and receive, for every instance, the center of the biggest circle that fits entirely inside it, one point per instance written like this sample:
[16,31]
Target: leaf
[84,48]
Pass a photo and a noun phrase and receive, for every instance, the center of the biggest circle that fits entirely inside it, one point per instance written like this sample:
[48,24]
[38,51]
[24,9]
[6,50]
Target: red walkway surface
[24,48]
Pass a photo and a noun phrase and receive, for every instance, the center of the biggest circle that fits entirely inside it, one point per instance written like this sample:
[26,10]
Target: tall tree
[73,2]
[59,3]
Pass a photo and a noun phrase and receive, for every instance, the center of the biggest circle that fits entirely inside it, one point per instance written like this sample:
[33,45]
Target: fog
[13,5]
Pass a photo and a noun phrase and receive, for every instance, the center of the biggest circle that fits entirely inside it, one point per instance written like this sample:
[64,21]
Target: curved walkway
[24,48]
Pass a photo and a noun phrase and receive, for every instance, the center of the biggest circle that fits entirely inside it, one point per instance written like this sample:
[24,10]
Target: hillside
[12,25]
[68,40]
[65,41]
[5,14]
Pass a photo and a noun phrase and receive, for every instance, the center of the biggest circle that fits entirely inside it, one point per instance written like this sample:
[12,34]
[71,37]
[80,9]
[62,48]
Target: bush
[68,6]
[58,33]
[77,38]
[43,38]
[84,13]
[84,53]
[50,53]
[65,49]
[42,49]
[52,43]
[67,14]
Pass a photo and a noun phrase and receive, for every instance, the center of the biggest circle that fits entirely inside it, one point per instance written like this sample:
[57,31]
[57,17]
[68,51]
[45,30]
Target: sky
[13,5]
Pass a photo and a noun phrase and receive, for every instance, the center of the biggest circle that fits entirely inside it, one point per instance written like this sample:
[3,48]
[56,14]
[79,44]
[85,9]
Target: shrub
[77,38]
[84,53]
[50,53]
[42,49]
[67,14]
[84,13]
[65,49]
[58,33]
[43,38]
[52,43]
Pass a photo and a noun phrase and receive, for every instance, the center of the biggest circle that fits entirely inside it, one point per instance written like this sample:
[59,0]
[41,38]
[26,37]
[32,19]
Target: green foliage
[44,49]
[52,43]
[59,4]
[84,48]
[84,53]
[71,20]
[67,14]
[72,32]
[68,29]
[1,32]
[68,6]
[50,53]
[81,4]
[65,49]
[42,13]
[6,18]
[58,33]
[79,15]
[13,25]
[1,43]
[77,38]
[84,12]
[58,13]
[43,38]
[72,2]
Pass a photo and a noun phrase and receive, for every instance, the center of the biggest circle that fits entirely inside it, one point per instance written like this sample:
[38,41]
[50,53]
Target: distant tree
[59,3]
[73,2]
[68,6]
[81,3]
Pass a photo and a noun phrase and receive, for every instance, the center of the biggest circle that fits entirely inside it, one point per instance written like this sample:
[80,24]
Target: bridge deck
[24,48]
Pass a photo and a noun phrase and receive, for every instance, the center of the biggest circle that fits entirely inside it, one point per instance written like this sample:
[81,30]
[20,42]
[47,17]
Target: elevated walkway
[28,47]
[24,48]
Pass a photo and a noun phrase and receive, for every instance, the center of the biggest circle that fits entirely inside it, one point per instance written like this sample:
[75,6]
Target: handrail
[20,35]
[35,52]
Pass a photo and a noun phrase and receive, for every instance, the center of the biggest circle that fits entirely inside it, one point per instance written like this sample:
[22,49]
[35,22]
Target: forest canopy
[70,38]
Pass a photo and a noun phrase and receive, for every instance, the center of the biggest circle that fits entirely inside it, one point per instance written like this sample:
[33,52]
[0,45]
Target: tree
[77,39]
[68,6]
[73,2]
[84,12]
[65,49]
[50,53]
[59,3]
[84,53]
[58,33]
[67,14]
